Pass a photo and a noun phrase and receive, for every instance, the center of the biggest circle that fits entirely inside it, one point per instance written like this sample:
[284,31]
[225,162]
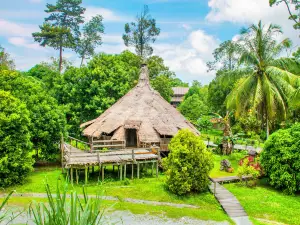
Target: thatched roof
[142,108]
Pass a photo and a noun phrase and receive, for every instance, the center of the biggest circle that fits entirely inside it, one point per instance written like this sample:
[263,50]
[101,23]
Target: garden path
[230,204]
[237,146]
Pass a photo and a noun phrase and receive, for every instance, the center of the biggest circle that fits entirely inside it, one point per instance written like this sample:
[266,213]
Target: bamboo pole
[138,170]
[77,178]
[124,171]
[102,168]
[72,175]
[156,169]
[121,170]
[62,154]
[132,168]
[86,175]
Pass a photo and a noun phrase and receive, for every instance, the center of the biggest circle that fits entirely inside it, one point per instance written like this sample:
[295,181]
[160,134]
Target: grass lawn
[234,160]
[268,204]
[146,188]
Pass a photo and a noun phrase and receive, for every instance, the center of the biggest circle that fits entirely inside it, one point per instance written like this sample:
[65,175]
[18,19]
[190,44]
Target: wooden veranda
[74,159]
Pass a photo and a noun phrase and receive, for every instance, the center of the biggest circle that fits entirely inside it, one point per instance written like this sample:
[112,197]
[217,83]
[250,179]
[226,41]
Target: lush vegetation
[15,145]
[281,159]
[188,164]
[266,205]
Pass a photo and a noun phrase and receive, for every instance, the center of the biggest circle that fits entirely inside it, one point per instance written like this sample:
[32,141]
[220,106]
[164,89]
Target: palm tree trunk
[267,130]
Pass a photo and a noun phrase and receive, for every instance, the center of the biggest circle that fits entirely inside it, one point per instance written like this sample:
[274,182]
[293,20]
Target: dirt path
[131,200]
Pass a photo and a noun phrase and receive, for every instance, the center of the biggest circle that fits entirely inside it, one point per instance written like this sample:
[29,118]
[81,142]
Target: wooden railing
[109,144]
[79,144]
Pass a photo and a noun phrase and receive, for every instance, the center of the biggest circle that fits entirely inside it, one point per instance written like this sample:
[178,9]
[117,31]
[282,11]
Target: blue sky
[190,29]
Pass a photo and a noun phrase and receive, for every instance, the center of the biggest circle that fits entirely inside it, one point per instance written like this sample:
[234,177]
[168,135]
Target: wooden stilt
[86,175]
[72,175]
[156,168]
[132,168]
[138,170]
[124,171]
[102,173]
[77,178]
[152,168]
[121,168]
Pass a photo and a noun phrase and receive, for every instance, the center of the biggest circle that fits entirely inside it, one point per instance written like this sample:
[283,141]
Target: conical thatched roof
[142,108]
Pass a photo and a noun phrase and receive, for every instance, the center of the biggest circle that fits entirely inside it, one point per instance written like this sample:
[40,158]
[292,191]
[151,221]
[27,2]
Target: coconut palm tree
[265,85]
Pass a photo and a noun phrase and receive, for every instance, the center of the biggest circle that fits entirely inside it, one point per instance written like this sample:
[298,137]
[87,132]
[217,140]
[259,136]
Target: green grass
[264,202]
[202,213]
[234,159]
[147,188]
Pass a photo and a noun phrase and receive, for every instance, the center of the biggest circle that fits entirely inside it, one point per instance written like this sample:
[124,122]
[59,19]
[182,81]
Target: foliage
[141,33]
[61,29]
[280,159]
[5,62]
[89,91]
[267,88]
[193,108]
[162,84]
[59,211]
[188,164]
[4,213]
[176,82]
[47,117]
[295,17]
[91,38]
[15,145]
[226,55]
[248,124]
[157,68]
[204,123]
[248,170]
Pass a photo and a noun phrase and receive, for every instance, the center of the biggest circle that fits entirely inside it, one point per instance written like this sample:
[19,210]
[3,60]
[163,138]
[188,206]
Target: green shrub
[280,159]
[247,170]
[188,164]
[15,145]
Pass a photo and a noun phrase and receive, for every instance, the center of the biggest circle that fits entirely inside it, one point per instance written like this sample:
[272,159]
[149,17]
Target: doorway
[131,138]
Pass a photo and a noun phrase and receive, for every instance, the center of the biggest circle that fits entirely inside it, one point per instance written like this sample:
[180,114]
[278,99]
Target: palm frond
[292,79]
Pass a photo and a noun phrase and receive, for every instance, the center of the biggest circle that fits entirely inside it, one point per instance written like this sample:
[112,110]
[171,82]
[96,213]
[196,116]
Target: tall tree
[266,87]
[5,61]
[294,14]
[141,33]
[91,38]
[225,56]
[61,29]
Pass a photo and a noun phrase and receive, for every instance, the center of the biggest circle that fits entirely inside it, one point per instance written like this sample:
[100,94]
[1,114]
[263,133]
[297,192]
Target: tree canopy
[141,33]
[15,145]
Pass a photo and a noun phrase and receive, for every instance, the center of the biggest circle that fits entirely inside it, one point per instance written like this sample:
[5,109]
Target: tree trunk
[267,130]
[82,58]
[60,59]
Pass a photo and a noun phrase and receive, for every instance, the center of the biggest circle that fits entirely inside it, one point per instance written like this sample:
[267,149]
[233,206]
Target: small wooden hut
[141,118]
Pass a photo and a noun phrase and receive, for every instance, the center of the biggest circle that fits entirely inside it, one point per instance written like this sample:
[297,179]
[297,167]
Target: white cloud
[9,28]
[186,26]
[188,59]
[245,12]
[108,15]
[112,38]
[23,42]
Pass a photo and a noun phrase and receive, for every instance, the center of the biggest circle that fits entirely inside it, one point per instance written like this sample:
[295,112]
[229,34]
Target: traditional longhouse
[141,118]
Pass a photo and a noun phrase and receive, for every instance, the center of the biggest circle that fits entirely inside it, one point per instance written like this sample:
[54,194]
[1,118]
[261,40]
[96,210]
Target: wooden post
[72,175]
[124,171]
[86,175]
[93,169]
[77,178]
[121,170]
[132,154]
[152,168]
[132,167]
[156,169]
[138,170]
[102,168]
